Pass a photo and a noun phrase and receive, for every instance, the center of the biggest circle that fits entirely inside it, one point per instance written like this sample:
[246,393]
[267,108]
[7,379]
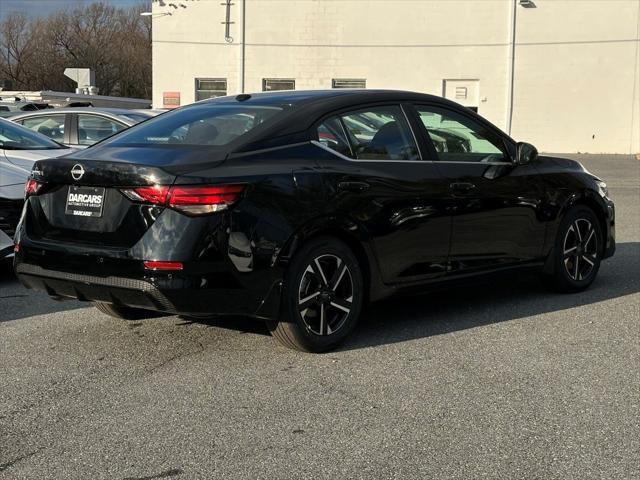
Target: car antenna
[242,97]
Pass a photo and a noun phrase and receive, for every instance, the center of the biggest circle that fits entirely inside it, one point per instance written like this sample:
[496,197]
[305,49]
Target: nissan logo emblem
[77,171]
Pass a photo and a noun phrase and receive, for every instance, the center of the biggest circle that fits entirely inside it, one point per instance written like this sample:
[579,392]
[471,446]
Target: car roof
[112,112]
[299,97]
[305,107]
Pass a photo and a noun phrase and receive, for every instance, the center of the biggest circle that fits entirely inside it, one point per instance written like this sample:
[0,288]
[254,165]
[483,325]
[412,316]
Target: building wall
[577,64]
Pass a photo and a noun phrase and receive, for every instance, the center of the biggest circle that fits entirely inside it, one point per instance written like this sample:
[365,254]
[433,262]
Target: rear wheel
[322,297]
[578,251]
[125,313]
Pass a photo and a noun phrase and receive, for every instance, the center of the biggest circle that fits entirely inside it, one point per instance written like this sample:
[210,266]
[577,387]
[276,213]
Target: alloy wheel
[325,295]
[580,249]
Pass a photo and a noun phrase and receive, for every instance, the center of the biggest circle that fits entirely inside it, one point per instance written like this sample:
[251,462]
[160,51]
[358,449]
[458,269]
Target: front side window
[17,137]
[51,126]
[92,128]
[210,88]
[380,133]
[206,124]
[273,84]
[459,139]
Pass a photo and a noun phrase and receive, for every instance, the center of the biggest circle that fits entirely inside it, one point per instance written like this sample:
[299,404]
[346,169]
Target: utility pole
[512,66]
[242,53]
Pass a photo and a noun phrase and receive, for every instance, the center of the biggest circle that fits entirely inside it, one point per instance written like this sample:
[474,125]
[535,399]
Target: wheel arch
[349,232]
[588,199]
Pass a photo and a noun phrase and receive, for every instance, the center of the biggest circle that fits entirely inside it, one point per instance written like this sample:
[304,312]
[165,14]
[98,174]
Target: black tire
[124,313]
[577,251]
[329,316]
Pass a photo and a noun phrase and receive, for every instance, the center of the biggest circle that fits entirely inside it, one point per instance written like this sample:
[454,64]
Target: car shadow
[493,300]
[17,302]
[496,300]
[239,323]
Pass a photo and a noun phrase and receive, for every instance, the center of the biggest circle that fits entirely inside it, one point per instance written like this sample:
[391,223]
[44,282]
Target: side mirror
[525,153]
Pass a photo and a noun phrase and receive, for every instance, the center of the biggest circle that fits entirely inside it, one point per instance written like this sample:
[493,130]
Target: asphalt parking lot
[501,380]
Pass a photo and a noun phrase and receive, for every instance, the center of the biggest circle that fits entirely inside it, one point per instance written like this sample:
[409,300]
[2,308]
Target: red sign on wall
[170,99]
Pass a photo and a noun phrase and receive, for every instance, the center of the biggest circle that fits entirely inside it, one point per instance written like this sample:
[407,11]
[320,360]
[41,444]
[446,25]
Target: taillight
[31,187]
[202,200]
[156,194]
[189,199]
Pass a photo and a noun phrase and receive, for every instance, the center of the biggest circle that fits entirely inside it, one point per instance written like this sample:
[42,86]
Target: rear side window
[199,125]
[331,134]
[50,125]
[135,117]
[377,133]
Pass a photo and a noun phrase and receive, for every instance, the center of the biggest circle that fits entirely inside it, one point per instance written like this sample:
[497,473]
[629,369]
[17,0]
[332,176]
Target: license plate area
[85,201]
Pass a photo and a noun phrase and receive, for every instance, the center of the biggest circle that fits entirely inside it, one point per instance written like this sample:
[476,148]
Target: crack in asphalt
[174,472]
[11,463]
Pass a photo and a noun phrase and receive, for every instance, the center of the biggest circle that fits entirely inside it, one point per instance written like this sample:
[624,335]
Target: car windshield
[17,137]
[199,125]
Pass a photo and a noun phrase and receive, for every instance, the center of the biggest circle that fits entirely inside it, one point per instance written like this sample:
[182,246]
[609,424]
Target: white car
[19,149]
[80,127]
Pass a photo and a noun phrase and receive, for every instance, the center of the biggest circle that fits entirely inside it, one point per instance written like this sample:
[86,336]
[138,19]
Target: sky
[47,7]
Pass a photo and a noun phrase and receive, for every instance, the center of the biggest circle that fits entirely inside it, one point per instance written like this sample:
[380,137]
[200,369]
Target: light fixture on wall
[527,4]
[151,14]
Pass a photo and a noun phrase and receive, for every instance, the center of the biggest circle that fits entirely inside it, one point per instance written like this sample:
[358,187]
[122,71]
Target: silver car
[81,127]
[19,149]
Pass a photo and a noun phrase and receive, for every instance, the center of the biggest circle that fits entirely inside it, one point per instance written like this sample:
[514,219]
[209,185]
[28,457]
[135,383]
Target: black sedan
[300,207]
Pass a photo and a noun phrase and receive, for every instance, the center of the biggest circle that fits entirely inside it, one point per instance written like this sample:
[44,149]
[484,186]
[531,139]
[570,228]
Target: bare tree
[17,48]
[115,43]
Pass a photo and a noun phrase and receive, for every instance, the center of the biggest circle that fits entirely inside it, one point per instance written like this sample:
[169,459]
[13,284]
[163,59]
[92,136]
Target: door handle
[462,186]
[355,187]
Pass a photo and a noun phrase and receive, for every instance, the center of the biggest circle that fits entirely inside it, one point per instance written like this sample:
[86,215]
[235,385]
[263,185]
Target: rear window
[199,125]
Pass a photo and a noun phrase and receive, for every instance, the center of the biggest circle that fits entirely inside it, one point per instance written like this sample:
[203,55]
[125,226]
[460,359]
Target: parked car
[82,126]
[8,109]
[324,201]
[19,148]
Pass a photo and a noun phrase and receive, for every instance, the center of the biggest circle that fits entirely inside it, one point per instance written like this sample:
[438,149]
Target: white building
[561,74]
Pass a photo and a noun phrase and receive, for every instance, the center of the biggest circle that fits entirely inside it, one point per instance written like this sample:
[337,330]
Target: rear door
[495,204]
[376,177]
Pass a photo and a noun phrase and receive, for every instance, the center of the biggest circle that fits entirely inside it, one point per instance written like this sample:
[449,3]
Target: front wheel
[578,251]
[322,297]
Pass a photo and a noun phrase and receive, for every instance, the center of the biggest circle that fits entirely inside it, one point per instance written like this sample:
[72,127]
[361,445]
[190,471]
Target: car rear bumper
[174,293]
[122,291]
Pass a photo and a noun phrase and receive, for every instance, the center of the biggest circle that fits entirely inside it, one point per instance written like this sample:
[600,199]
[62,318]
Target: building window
[272,84]
[210,88]
[348,83]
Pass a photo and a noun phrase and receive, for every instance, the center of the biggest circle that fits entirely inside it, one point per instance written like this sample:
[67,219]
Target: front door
[495,207]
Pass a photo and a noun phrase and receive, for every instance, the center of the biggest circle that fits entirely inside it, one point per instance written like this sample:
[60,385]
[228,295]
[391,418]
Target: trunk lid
[67,209]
